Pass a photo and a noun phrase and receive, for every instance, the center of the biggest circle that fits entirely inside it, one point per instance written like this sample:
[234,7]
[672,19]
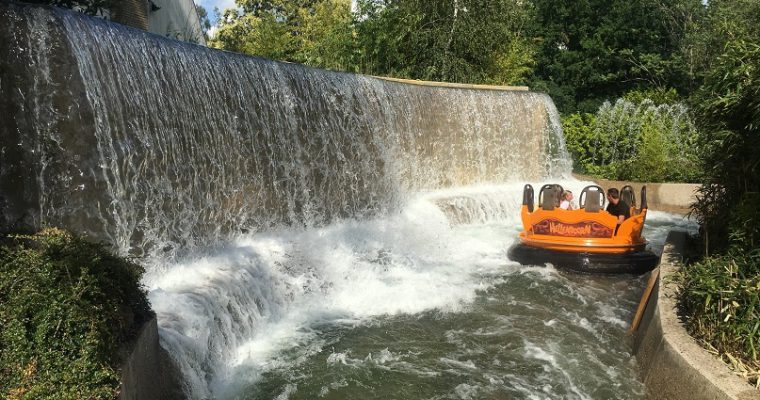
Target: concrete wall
[172,18]
[672,365]
[454,85]
[669,197]
[148,372]
[132,13]
[176,19]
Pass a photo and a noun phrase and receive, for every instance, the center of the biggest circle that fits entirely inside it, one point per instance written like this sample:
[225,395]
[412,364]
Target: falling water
[307,233]
[175,144]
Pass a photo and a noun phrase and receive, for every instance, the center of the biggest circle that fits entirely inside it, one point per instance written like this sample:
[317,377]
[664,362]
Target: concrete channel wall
[672,365]
[148,371]
[669,197]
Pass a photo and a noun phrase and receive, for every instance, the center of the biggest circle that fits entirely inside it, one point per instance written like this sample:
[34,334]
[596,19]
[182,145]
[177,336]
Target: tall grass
[720,299]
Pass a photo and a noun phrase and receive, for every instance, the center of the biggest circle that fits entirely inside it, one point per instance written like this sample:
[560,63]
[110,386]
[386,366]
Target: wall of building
[176,19]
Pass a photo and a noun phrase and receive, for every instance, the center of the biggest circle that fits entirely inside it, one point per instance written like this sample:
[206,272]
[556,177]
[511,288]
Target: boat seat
[550,199]
[593,198]
[629,197]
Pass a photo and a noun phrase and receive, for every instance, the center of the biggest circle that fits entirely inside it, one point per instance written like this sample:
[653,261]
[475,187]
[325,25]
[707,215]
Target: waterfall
[154,144]
[161,147]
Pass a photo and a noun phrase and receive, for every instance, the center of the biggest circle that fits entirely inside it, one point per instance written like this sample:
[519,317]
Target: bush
[720,297]
[89,7]
[721,293]
[730,111]
[66,308]
[580,138]
[644,141]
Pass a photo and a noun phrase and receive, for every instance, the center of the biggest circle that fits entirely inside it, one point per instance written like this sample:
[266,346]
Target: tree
[594,50]
[457,41]
[315,32]
[728,106]
[636,139]
[89,7]
[203,19]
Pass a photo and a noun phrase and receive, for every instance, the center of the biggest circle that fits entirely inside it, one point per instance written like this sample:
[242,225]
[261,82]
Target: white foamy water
[241,305]
[259,305]
[375,289]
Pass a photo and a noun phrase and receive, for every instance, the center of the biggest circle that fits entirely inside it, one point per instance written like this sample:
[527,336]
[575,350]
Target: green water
[407,307]
[531,333]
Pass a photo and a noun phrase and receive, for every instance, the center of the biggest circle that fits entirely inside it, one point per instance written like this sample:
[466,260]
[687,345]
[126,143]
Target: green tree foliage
[459,41]
[722,298]
[720,292]
[594,50]
[203,19]
[637,141]
[314,32]
[66,307]
[728,106]
[455,41]
[90,7]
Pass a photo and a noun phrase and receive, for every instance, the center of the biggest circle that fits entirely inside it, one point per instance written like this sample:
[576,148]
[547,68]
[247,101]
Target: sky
[209,5]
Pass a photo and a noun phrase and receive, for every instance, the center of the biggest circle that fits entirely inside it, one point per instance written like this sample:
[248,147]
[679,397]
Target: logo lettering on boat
[585,229]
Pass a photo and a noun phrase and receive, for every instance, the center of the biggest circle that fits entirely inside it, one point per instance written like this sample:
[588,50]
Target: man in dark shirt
[616,206]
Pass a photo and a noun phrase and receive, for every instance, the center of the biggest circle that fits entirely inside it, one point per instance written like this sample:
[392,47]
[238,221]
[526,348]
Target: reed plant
[720,303]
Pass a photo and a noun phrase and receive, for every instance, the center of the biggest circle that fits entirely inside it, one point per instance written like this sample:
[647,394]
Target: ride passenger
[617,207]
[567,201]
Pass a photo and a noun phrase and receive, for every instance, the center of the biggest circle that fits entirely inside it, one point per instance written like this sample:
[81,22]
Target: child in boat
[567,201]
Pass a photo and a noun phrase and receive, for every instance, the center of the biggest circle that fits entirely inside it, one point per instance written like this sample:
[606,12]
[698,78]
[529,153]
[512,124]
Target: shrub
[730,110]
[66,308]
[637,141]
[720,297]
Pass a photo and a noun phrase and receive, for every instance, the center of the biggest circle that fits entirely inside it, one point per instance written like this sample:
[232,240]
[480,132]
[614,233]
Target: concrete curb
[672,365]
[149,372]
[454,85]
[669,197]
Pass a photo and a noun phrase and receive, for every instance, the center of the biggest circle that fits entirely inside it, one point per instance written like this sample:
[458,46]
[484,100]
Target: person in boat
[567,201]
[616,206]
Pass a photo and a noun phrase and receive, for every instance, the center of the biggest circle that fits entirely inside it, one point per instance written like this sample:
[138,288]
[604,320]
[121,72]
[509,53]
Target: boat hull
[590,245]
[631,262]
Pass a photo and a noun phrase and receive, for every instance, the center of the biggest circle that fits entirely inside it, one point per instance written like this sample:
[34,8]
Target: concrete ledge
[669,197]
[148,372]
[672,365]
[454,85]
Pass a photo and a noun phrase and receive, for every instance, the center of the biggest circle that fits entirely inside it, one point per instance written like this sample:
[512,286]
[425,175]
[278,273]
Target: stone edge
[148,371]
[668,197]
[671,364]
[454,85]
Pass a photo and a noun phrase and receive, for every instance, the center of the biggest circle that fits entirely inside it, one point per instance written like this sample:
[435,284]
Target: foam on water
[326,169]
[242,305]
[255,306]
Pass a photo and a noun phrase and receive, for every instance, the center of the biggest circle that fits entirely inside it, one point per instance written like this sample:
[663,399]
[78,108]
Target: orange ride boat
[587,239]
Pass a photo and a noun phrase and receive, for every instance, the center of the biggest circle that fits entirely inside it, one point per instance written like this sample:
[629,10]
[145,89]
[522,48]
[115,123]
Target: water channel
[409,306]
[310,234]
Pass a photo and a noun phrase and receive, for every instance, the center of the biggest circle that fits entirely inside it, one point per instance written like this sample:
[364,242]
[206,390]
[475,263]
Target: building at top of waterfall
[177,19]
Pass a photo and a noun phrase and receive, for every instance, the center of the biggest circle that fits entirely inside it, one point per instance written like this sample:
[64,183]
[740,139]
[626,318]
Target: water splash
[173,151]
[174,144]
